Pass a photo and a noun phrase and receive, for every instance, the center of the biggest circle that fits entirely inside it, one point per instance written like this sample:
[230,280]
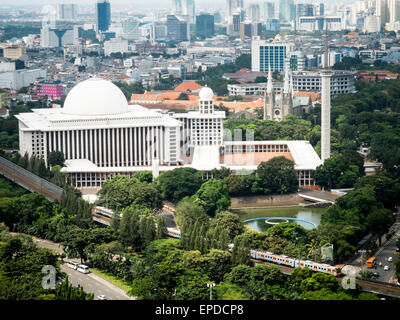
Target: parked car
[102,297]
[72,265]
[376,274]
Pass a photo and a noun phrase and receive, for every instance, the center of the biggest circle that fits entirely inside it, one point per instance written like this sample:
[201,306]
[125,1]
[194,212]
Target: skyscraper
[269,10]
[189,9]
[178,27]
[178,9]
[394,10]
[253,13]
[205,26]
[232,6]
[67,11]
[103,15]
[285,10]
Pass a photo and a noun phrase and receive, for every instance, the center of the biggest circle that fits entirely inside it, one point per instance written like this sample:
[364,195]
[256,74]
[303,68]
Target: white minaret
[326,75]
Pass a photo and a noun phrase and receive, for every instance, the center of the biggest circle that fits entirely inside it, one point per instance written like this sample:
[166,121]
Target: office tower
[285,8]
[266,55]
[245,30]
[319,9]
[382,11]
[189,9]
[304,10]
[232,6]
[54,38]
[394,10]
[253,13]
[269,10]
[103,15]
[178,27]
[67,11]
[234,24]
[178,9]
[205,26]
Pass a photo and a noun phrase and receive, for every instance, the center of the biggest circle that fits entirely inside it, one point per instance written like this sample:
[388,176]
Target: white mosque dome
[95,96]
[206,93]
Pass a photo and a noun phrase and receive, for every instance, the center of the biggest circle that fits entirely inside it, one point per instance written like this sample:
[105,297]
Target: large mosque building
[101,135]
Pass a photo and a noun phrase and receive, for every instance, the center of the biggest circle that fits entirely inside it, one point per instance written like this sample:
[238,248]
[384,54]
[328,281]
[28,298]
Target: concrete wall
[265,201]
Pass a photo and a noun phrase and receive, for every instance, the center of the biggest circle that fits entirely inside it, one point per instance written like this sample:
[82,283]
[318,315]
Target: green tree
[213,196]
[277,176]
[179,183]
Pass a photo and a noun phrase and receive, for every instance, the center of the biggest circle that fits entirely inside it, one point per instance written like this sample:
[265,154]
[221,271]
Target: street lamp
[210,285]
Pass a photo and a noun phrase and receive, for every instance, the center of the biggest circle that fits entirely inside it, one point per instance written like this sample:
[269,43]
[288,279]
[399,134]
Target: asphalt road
[382,255]
[90,282]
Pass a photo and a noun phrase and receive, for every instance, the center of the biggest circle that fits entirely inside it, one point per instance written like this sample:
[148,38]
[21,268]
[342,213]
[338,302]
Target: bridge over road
[29,181]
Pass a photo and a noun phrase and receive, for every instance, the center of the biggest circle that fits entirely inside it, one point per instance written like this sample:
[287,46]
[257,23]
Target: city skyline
[151,3]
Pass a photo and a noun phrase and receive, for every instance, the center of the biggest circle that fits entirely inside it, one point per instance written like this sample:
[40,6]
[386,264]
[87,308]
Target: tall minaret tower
[269,98]
[326,75]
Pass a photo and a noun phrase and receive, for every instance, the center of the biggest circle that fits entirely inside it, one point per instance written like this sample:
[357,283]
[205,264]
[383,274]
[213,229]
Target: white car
[390,259]
[102,297]
[386,268]
[72,265]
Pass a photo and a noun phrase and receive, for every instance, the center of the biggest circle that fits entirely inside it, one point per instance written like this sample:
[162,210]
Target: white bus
[82,268]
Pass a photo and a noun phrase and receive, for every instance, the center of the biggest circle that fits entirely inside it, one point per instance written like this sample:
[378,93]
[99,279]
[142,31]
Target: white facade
[266,54]
[342,82]
[20,78]
[101,128]
[115,45]
[372,24]
[102,136]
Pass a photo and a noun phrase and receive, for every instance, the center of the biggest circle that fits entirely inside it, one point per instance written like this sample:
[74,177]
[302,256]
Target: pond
[313,215]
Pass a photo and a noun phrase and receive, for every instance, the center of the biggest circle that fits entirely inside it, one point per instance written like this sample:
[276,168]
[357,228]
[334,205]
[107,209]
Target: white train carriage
[104,212]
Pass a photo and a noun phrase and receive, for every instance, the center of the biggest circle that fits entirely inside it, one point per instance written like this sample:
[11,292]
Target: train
[254,254]
[291,262]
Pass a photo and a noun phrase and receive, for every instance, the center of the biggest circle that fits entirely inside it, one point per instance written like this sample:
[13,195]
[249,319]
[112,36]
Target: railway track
[27,183]
[381,288]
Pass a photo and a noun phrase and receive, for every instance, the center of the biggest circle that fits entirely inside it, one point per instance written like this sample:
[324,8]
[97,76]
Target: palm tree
[312,248]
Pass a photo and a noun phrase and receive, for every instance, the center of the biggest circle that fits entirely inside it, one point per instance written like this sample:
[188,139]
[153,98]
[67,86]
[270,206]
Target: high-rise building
[178,27]
[304,10]
[67,11]
[253,13]
[285,10]
[205,26]
[232,6]
[234,24]
[245,30]
[394,10]
[269,10]
[319,9]
[189,9]
[269,55]
[103,15]
[53,38]
[178,9]
[382,11]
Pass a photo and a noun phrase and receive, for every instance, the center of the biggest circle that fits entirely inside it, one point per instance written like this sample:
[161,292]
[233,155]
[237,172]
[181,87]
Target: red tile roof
[188,86]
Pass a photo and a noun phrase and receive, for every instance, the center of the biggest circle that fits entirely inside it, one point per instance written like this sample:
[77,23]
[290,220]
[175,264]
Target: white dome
[95,96]
[206,93]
